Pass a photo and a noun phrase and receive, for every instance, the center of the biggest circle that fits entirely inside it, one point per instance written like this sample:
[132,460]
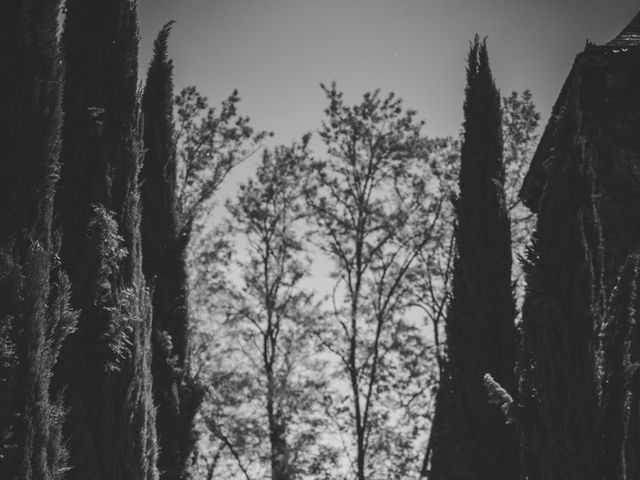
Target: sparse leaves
[260,411]
[374,212]
[209,142]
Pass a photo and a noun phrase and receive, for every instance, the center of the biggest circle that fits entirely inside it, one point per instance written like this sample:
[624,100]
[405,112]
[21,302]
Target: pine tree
[105,367]
[164,245]
[469,437]
[34,313]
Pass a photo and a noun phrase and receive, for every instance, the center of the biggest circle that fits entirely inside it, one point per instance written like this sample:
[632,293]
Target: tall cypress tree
[578,389]
[34,314]
[106,363]
[469,437]
[620,415]
[164,248]
[562,308]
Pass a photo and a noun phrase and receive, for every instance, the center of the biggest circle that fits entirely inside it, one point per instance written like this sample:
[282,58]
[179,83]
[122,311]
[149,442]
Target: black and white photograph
[320,240]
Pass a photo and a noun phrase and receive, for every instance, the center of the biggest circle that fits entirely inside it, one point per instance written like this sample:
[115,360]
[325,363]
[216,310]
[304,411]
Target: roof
[629,37]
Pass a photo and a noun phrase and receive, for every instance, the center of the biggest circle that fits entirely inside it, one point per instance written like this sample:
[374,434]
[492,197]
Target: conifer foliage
[105,367]
[102,190]
[562,308]
[619,437]
[34,314]
[469,437]
[164,246]
[579,397]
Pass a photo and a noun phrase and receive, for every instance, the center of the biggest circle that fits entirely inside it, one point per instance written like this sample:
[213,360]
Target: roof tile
[629,37]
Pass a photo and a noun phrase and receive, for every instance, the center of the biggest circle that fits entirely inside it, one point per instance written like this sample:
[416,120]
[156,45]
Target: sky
[276,52]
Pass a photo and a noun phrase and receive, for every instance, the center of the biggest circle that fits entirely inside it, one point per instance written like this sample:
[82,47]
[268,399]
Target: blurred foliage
[369,223]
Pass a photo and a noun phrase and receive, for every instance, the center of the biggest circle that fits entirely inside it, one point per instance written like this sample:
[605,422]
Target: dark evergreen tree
[164,247]
[34,313]
[578,388]
[620,437]
[469,438]
[561,311]
[106,364]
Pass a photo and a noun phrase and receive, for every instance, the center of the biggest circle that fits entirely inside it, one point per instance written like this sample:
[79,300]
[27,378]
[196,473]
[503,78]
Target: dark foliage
[563,302]
[34,313]
[164,246]
[105,365]
[470,439]
[620,435]
[576,387]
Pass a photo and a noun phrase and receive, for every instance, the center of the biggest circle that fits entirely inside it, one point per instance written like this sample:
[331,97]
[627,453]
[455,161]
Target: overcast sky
[276,52]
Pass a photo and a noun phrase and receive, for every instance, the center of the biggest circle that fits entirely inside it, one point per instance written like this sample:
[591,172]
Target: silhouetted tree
[266,408]
[469,437]
[620,437]
[34,314]
[209,142]
[578,386]
[105,366]
[371,206]
[164,248]
[562,307]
